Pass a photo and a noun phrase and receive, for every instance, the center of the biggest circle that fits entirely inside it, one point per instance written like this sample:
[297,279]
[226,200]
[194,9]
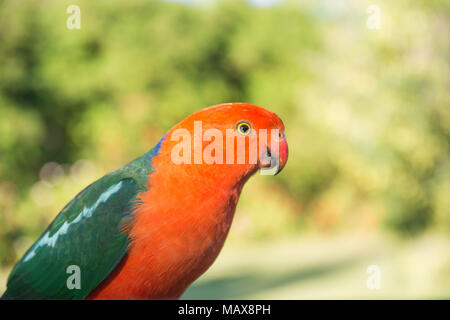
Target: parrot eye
[243,128]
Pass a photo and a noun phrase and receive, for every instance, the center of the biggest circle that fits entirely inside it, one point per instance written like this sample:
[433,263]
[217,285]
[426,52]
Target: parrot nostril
[269,154]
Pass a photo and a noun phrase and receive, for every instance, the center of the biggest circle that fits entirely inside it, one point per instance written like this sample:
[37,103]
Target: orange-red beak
[283,154]
[275,160]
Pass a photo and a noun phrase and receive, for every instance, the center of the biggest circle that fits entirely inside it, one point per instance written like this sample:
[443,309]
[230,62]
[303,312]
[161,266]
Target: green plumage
[86,233]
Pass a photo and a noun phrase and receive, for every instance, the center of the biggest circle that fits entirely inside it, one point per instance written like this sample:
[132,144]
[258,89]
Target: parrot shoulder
[86,240]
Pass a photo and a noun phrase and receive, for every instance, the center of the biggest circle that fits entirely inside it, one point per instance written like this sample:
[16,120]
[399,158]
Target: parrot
[149,229]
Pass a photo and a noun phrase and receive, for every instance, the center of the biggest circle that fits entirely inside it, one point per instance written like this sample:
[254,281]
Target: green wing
[86,234]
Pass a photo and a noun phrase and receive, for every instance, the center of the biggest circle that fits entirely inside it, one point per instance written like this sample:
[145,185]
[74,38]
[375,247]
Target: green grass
[328,268]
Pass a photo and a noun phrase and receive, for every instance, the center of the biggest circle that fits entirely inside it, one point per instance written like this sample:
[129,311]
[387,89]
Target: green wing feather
[86,233]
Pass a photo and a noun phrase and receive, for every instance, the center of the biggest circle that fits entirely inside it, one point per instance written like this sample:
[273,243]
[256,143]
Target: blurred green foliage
[367,112]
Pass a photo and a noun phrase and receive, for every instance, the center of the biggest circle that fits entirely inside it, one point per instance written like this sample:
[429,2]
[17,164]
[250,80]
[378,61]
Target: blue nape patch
[158,145]
[155,150]
[47,240]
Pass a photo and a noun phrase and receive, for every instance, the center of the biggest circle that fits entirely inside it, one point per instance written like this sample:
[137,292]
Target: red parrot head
[228,141]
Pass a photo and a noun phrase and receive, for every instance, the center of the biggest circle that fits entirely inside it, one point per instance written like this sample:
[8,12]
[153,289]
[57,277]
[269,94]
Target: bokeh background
[367,116]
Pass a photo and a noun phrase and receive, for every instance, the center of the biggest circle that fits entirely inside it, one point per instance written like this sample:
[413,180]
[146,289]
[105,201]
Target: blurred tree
[366,111]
